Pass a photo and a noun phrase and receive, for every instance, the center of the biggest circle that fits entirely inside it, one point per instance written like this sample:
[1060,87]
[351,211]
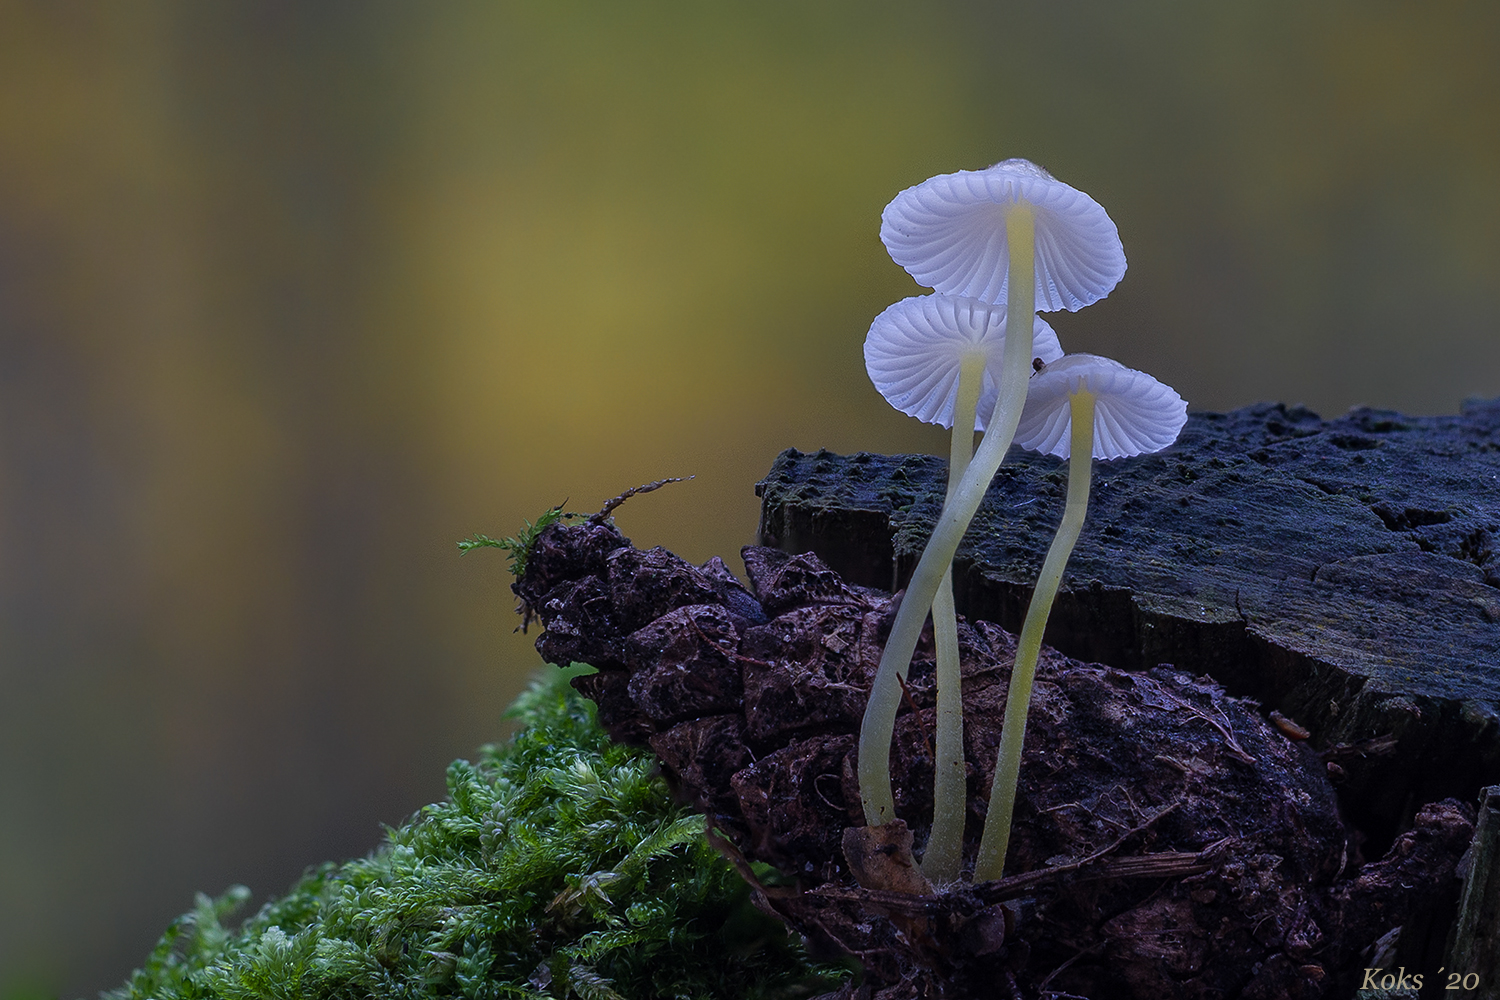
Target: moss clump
[520,544]
[559,866]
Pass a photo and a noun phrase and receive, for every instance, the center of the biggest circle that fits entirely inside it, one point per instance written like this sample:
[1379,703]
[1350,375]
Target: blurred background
[295,295]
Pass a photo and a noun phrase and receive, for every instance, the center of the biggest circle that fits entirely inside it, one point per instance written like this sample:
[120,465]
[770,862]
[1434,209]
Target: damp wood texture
[1171,838]
[1343,572]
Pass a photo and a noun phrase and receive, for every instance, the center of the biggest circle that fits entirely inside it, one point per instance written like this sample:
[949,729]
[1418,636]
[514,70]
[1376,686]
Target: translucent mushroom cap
[915,350]
[1133,413]
[949,234]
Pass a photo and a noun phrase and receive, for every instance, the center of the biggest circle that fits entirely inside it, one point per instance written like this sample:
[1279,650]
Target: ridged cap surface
[949,234]
[916,347]
[1133,413]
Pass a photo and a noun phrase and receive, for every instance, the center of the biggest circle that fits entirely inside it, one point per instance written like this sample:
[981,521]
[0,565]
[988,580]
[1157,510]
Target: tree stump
[1171,839]
[1340,571]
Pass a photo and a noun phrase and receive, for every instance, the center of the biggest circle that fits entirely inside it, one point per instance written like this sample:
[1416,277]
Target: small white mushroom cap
[949,234]
[915,350]
[1133,412]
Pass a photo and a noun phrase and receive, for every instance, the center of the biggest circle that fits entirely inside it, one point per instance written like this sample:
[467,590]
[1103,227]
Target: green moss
[559,866]
[519,545]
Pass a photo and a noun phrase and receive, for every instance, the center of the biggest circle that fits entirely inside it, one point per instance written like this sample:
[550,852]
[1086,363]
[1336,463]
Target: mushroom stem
[963,501]
[992,845]
[950,799]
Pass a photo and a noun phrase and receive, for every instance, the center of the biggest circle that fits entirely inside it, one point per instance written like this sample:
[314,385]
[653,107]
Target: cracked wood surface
[1343,571]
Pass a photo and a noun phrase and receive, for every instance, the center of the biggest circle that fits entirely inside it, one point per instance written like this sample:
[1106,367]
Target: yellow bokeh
[295,296]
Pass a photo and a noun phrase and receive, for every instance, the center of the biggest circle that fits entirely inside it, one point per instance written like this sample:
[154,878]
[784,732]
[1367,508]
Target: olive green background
[294,295]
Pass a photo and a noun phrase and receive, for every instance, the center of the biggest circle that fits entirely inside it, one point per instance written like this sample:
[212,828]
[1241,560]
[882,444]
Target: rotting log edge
[645,618]
[1338,571]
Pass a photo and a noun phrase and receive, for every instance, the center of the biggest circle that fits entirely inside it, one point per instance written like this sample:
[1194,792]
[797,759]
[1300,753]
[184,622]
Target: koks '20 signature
[1379,979]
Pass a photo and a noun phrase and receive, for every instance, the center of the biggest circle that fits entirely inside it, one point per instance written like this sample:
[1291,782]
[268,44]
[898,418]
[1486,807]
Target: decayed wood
[1341,571]
[1169,839]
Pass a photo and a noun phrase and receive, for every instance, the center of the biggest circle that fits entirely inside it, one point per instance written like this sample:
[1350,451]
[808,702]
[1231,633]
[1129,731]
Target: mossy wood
[1340,570]
[558,868]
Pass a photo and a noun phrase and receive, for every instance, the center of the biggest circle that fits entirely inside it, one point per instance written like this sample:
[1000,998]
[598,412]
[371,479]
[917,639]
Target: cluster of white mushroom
[995,246]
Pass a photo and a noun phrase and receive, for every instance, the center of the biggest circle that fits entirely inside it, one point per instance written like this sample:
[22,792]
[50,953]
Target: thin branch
[609,507]
[1224,730]
[1162,865]
[1375,746]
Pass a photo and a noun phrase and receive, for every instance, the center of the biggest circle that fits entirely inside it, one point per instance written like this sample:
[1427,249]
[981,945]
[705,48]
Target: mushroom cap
[915,349]
[1133,412]
[949,233]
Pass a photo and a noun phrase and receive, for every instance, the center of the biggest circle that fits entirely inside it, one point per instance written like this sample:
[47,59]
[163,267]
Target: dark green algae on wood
[1343,571]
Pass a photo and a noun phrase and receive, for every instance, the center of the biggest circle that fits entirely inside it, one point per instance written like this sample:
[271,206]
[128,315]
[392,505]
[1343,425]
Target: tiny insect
[1037,364]
[1287,726]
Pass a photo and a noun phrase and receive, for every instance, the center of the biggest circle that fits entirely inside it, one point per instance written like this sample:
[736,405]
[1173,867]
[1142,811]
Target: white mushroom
[1080,407]
[950,233]
[938,358]
[1010,232]
[916,350]
[1133,413]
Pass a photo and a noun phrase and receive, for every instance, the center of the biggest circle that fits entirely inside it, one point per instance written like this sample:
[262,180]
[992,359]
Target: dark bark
[1342,571]
[1475,949]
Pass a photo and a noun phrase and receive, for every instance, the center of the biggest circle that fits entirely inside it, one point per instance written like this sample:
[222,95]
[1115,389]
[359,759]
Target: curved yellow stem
[943,857]
[874,764]
[990,863]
